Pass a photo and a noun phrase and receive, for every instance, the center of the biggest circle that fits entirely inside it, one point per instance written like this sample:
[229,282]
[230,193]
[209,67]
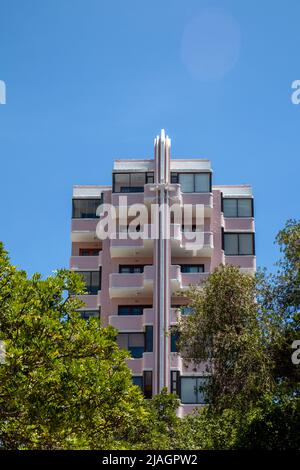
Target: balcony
[238,223]
[128,285]
[90,301]
[142,245]
[132,322]
[184,246]
[179,197]
[84,230]
[182,281]
[247,263]
[137,366]
[82,263]
[124,200]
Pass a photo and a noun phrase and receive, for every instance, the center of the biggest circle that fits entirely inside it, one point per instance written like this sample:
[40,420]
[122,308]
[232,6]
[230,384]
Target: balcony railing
[128,285]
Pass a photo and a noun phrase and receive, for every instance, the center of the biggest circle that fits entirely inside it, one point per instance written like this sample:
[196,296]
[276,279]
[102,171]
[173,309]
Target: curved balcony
[182,281]
[186,244]
[128,285]
[178,197]
[137,366]
[135,243]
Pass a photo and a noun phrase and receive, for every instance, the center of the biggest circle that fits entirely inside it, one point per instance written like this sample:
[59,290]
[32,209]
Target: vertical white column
[162,304]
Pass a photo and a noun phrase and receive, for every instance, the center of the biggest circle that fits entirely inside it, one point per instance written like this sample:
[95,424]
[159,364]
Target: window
[239,244]
[87,314]
[89,251]
[144,382]
[193,182]
[150,177]
[132,309]
[85,208]
[184,309]
[131,182]
[133,342]
[187,310]
[138,380]
[148,383]
[241,207]
[192,268]
[92,281]
[202,182]
[149,338]
[191,390]
[175,382]
[174,178]
[186,180]
[131,268]
[174,339]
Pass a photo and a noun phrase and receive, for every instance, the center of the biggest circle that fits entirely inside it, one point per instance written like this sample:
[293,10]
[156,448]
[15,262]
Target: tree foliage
[243,328]
[224,334]
[64,382]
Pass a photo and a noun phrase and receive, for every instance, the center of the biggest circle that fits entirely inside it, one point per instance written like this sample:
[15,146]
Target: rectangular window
[191,390]
[121,181]
[186,180]
[174,178]
[186,310]
[238,207]
[193,182]
[131,268]
[138,380]
[149,338]
[131,182]
[89,251]
[85,208]
[132,309]
[174,339]
[202,182]
[92,280]
[133,342]
[239,244]
[175,382]
[150,177]
[148,383]
[87,314]
[192,268]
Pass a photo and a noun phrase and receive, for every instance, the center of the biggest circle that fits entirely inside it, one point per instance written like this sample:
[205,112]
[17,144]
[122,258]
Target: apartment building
[135,283]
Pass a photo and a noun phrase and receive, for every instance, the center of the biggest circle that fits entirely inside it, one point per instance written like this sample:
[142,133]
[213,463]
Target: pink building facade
[136,284]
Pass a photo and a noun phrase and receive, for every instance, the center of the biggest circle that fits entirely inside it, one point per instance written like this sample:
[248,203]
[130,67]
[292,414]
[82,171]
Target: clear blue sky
[89,81]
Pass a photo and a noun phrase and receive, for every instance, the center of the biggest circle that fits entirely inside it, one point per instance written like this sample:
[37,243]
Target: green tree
[243,327]
[280,306]
[64,383]
[224,333]
[161,429]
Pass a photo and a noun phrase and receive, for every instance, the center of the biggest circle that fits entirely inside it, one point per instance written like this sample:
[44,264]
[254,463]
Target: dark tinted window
[85,208]
[233,207]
